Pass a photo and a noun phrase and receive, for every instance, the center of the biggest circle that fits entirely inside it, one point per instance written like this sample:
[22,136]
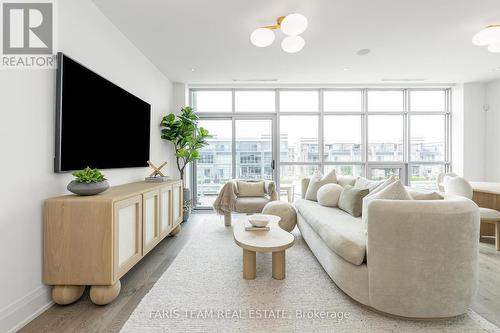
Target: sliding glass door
[215,166]
[240,148]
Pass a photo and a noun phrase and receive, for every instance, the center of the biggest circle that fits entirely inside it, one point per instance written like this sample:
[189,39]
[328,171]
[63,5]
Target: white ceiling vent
[255,80]
[403,80]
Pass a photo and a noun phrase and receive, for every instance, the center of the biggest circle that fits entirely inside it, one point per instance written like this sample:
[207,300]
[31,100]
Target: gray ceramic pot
[87,189]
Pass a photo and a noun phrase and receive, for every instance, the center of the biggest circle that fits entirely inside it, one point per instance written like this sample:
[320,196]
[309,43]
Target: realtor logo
[27,34]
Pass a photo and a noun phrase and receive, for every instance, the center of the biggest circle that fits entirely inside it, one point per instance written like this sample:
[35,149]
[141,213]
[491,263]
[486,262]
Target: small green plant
[88,176]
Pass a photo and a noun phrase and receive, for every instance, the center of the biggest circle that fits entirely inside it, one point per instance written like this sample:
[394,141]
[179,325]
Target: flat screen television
[98,124]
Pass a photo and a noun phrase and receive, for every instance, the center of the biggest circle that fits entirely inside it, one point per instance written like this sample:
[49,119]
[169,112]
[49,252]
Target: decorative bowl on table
[258,220]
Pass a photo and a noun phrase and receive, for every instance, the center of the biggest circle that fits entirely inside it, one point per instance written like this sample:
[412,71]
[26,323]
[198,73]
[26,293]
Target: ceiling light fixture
[262,37]
[291,25]
[293,44]
[489,36]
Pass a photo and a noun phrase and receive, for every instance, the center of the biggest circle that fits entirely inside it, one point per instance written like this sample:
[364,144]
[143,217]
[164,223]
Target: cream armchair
[244,196]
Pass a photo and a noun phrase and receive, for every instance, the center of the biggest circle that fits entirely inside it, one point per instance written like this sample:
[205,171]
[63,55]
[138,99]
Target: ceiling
[424,39]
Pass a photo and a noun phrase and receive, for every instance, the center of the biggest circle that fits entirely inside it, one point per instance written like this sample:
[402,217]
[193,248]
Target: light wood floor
[84,316]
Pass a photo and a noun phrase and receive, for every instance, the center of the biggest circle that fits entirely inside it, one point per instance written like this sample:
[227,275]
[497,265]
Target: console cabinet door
[127,238]
[165,211]
[177,203]
[150,220]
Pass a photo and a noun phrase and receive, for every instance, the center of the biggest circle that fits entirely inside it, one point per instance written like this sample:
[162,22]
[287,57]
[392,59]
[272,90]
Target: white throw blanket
[226,199]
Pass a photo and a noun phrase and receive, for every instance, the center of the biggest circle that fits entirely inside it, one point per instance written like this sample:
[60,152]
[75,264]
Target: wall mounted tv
[98,124]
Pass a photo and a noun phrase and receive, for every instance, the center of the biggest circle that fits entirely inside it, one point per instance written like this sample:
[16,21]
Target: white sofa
[418,258]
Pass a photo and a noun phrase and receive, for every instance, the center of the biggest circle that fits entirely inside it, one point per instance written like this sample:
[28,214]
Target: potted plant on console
[188,139]
[88,182]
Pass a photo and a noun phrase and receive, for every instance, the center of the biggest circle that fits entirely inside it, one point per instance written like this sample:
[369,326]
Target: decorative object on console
[156,175]
[88,182]
[291,25]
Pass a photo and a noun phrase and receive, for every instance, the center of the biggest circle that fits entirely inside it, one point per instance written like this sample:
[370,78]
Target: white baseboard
[16,315]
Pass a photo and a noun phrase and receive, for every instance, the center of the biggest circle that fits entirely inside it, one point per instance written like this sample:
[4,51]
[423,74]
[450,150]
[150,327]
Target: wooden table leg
[279,265]
[497,236]
[248,264]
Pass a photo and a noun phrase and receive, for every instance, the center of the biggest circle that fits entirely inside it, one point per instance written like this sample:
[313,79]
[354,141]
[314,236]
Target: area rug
[203,291]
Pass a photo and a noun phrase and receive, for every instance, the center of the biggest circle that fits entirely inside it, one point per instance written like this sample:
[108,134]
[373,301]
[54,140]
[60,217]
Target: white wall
[492,140]
[27,141]
[468,130]
[180,97]
[474,131]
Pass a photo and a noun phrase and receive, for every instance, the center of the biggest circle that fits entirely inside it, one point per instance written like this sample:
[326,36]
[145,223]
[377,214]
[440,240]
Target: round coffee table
[276,240]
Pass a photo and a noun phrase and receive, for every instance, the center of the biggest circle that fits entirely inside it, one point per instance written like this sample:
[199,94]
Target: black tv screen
[98,124]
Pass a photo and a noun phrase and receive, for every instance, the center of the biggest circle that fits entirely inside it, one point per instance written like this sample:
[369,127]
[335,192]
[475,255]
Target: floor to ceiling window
[288,134]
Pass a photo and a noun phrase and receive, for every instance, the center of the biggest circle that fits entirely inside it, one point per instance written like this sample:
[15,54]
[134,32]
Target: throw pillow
[383,185]
[329,194]
[351,199]
[316,182]
[362,182]
[346,180]
[250,189]
[394,191]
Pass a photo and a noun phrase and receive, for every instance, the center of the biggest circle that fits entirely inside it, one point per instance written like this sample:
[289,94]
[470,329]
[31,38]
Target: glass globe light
[294,24]
[293,44]
[487,36]
[494,48]
[262,37]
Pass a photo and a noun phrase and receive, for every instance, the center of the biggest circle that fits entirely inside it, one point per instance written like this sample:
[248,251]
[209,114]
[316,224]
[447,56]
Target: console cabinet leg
[64,295]
[176,230]
[102,295]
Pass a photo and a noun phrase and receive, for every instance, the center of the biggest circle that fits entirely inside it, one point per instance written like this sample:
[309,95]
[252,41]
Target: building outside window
[361,132]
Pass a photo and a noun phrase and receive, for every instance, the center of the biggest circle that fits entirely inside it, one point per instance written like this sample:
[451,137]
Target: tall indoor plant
[188,139]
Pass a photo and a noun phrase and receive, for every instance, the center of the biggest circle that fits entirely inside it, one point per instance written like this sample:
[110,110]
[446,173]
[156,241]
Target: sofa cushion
[351,199]
[250,204]
[317,181]
[329,194]
[341,232]
[250,189]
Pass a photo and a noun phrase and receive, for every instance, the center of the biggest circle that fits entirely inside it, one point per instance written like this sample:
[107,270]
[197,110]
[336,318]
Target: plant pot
[87,189]
[185,216]
[186,194]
